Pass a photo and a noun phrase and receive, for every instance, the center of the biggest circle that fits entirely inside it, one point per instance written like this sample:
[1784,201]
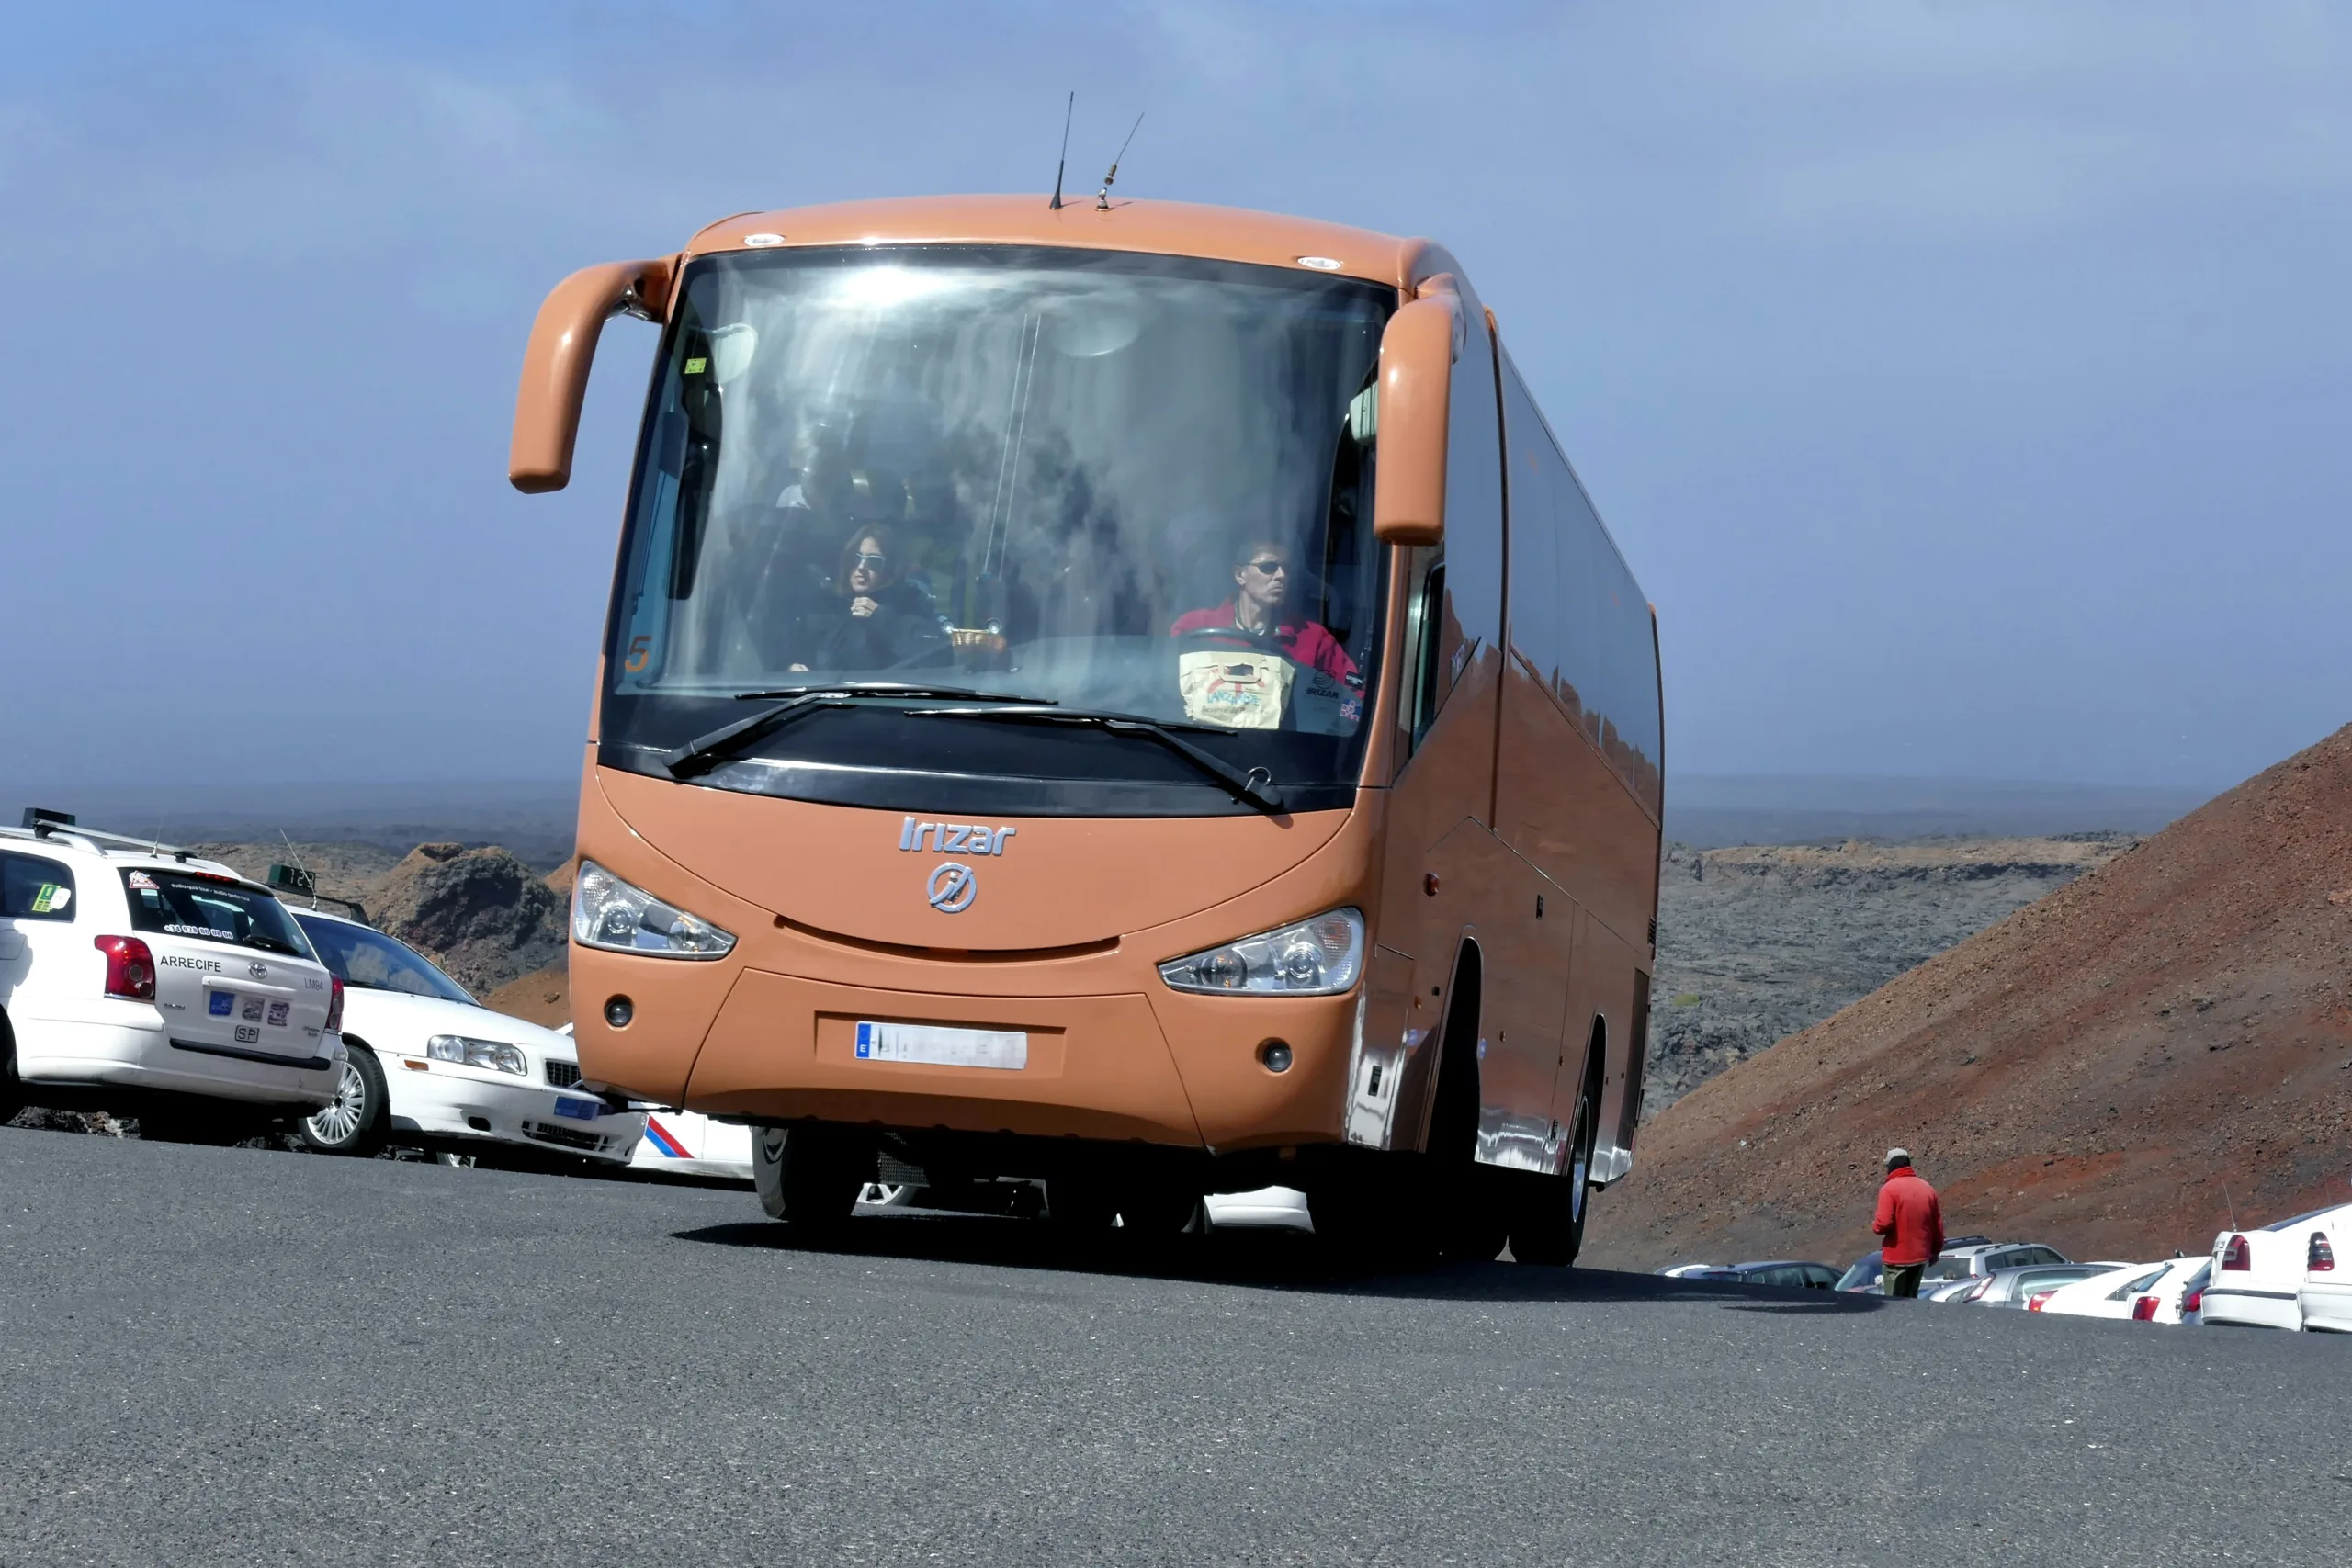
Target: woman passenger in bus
[876,620]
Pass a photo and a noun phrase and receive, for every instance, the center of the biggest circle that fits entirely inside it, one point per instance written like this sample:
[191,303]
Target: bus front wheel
[809,1175]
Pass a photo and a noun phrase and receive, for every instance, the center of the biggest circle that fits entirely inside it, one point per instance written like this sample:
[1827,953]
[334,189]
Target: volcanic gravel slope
[2112,1069]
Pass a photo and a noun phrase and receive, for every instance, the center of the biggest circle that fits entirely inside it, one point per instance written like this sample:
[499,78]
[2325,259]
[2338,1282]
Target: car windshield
[375,962]
[211,908]
[1120,483]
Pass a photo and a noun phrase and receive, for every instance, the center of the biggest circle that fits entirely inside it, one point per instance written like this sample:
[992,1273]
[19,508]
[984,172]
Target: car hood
[397,1020]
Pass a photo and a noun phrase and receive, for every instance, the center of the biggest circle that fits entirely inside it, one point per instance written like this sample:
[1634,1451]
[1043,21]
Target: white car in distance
[2326,1295]
[2117,1294]
[136,977]
[2258,1274]
[427,1066]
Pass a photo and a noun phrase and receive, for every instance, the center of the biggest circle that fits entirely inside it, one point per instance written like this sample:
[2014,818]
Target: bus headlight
[609,913]
[1317,957]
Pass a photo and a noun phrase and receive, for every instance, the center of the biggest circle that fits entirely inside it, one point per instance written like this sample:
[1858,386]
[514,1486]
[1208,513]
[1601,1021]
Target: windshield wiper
[1256,786]
[705,753]
[271,944]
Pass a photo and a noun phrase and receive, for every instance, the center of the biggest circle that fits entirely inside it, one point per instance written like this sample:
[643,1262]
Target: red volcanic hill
[2111,1069]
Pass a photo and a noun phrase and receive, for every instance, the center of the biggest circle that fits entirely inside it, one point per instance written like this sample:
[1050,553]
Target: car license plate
[939,1046]
[579,1110]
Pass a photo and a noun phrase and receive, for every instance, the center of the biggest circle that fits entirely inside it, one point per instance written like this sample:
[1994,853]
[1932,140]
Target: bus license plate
[942,1047]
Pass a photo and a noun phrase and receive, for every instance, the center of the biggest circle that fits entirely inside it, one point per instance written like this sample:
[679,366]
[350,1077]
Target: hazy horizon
[1966,385]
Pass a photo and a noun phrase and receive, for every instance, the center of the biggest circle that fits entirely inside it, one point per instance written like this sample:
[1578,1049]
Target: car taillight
[130,968]
[334,1005]
[1976,1291]
[2144,1310]
[2237,1255]
[2193,1302]
[2320,1257]
[2033,1303]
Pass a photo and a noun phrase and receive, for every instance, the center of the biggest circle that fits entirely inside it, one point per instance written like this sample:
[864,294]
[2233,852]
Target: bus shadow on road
[1274,1261]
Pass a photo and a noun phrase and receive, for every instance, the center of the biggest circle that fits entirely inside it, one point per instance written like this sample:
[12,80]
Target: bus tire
[1158,1209]
[1548,1224]
[1080,1203]
[808,1175]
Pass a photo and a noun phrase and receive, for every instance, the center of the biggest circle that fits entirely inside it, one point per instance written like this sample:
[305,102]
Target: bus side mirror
[1415,388]
[556,362]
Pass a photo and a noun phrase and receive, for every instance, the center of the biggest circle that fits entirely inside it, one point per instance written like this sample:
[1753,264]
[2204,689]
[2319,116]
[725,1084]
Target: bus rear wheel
[809,1175]
[1548,1213]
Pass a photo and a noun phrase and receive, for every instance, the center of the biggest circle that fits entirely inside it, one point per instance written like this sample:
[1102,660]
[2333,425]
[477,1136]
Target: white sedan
[2258,1274]
[2326,1295]
[428,1066]
[2117,1294]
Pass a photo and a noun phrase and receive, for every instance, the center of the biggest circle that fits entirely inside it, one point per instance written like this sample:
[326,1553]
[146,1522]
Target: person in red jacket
[1910,1226]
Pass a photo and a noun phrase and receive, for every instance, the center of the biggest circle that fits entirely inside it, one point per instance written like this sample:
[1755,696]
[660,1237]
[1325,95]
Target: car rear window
[32,889]
[211,909]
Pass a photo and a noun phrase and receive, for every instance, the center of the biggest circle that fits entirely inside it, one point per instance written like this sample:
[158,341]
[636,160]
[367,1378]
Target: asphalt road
[228,1356]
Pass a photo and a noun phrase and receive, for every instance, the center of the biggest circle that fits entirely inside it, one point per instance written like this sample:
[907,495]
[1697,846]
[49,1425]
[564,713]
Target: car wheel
[353,1122]
[1547,1221]
[12,1089]
[809,1175]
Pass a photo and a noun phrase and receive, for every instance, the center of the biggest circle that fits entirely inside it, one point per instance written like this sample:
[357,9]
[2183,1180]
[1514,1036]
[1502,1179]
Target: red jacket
[1305,642]
[1910,1221]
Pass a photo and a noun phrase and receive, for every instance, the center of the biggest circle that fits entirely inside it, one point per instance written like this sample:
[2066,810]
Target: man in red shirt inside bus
[1910,1226]
[1261,582]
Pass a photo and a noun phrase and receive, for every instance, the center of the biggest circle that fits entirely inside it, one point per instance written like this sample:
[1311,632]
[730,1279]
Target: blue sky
[1968,384]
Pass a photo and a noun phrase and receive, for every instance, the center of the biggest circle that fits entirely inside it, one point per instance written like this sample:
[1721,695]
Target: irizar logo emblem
[952,888]
[953,884]
[954,838]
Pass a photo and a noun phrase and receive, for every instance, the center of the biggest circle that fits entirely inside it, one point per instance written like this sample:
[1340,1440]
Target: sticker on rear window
[141,880]
[215,932]
[50,897]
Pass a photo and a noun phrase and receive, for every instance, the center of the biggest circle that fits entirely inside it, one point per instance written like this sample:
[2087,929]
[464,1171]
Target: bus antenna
[1102,196]
[1063,162]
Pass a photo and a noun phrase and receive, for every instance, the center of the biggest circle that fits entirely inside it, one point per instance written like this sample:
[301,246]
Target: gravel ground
[232,1355]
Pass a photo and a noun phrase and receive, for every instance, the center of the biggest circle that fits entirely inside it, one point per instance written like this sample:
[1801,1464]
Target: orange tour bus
[1129,698]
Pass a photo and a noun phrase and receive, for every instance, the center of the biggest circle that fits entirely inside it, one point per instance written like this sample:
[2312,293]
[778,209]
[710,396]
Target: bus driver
[1243,677]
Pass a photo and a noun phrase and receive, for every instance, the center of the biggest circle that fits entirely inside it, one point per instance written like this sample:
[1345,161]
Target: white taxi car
[430,1067]
[136,977]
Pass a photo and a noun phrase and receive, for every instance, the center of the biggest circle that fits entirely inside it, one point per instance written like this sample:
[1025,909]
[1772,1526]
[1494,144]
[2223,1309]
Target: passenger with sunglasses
[1261,585]
[877,620]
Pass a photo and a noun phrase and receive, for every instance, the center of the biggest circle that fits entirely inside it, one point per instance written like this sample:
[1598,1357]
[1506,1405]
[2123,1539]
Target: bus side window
[1428,683]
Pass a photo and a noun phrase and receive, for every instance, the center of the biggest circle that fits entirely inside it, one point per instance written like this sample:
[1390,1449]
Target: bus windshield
[1114,482]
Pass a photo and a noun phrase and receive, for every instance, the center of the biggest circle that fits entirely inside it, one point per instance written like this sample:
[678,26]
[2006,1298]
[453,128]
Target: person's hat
[1897,1156]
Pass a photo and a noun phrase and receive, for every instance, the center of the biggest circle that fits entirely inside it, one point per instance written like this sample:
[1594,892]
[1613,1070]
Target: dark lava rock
[487,917]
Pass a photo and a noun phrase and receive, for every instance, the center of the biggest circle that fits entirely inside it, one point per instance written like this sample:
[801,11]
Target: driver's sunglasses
[866,559]
[1269,567]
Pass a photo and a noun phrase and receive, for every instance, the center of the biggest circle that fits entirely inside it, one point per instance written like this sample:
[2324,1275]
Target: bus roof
[1168,228]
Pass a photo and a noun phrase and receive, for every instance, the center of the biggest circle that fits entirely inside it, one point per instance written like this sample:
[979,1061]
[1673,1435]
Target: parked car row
[140,976]
[2285,1275]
